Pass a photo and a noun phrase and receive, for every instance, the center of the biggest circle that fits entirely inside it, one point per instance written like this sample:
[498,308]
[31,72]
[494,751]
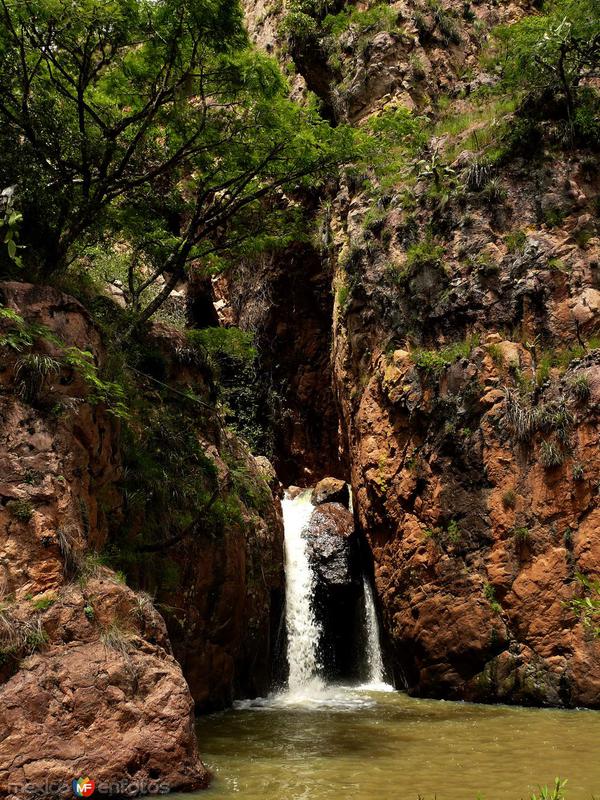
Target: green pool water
[387,746]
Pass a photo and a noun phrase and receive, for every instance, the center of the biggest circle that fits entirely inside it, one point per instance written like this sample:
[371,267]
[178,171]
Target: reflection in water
[387,746]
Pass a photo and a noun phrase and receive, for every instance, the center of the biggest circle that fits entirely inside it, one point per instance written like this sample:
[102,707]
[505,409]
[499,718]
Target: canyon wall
[92,680]
[464,355]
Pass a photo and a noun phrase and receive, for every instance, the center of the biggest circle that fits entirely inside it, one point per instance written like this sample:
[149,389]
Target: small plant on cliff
[515,241]
[580,388]
[496,354]
[490,595]
[578,472]
[31,371]
[21,510]
[115,637]
[509,499]
[494,193]
[522,419]
[454,532]
[44,603]
[521,534]
[587,607]
[550,455]
[436,361]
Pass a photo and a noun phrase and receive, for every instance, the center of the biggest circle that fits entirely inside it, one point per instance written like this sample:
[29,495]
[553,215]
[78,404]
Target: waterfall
[303,630]
[376,676]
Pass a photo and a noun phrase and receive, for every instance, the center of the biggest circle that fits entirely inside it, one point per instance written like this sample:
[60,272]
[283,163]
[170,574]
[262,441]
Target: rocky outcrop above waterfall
[331,490]
[88,682]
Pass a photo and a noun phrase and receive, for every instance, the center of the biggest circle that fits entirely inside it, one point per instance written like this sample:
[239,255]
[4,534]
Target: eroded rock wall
[89,681]
[92,680]
[465,360]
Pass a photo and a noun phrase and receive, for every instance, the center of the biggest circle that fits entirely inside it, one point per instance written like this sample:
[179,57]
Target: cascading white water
[374,657]
[303,630]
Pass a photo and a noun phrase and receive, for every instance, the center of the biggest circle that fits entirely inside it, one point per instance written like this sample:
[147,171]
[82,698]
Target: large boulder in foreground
[102,697]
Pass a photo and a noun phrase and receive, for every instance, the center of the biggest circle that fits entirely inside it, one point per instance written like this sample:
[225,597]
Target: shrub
[550,455]
[496,354]
[21,510]
[578,472]
[454,532]
[478,174]
[509,499]
[522,419]
[515,241]
[424,254]
[521,534]
[490,595]
[587,608]
[31,370]
[115,637]
[43,603]
[494,193]
[580,387]
[436,361]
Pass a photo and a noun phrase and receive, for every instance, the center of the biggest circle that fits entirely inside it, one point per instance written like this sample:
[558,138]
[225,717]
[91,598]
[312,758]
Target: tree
[150,119]
[555,52]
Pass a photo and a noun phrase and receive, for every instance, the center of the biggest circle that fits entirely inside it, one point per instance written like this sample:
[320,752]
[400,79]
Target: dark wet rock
[333,544]
[334,551]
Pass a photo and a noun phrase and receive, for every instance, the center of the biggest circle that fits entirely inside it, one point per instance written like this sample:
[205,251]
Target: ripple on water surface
[349,743]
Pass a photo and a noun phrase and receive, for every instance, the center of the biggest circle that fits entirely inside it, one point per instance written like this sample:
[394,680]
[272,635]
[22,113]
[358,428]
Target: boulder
[331,490]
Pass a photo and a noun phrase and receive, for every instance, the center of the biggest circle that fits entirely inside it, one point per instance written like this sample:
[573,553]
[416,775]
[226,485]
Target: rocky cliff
[464,361]
[91,681]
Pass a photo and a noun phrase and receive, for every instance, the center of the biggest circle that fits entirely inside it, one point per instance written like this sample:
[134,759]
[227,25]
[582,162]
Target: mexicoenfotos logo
[83,787]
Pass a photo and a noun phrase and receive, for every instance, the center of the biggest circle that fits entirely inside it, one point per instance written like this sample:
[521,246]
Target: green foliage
[490,595]
[31,370]
[580,387]
[556,792]
[521,534]
[376,18]
[515,241]
[43,603]
[587,607]
[550,455]
[230,342]
[125,116]
[435,362]
[424,254]
[250,403]
[388,142]
[34,369]
[551,54]
[509,499]
[21,510]
[578,472]
[496,354]
[10,223]
[493,192]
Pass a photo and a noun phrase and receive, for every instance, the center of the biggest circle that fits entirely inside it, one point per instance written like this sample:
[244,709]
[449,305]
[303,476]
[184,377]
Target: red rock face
[88,682]
[476,541]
